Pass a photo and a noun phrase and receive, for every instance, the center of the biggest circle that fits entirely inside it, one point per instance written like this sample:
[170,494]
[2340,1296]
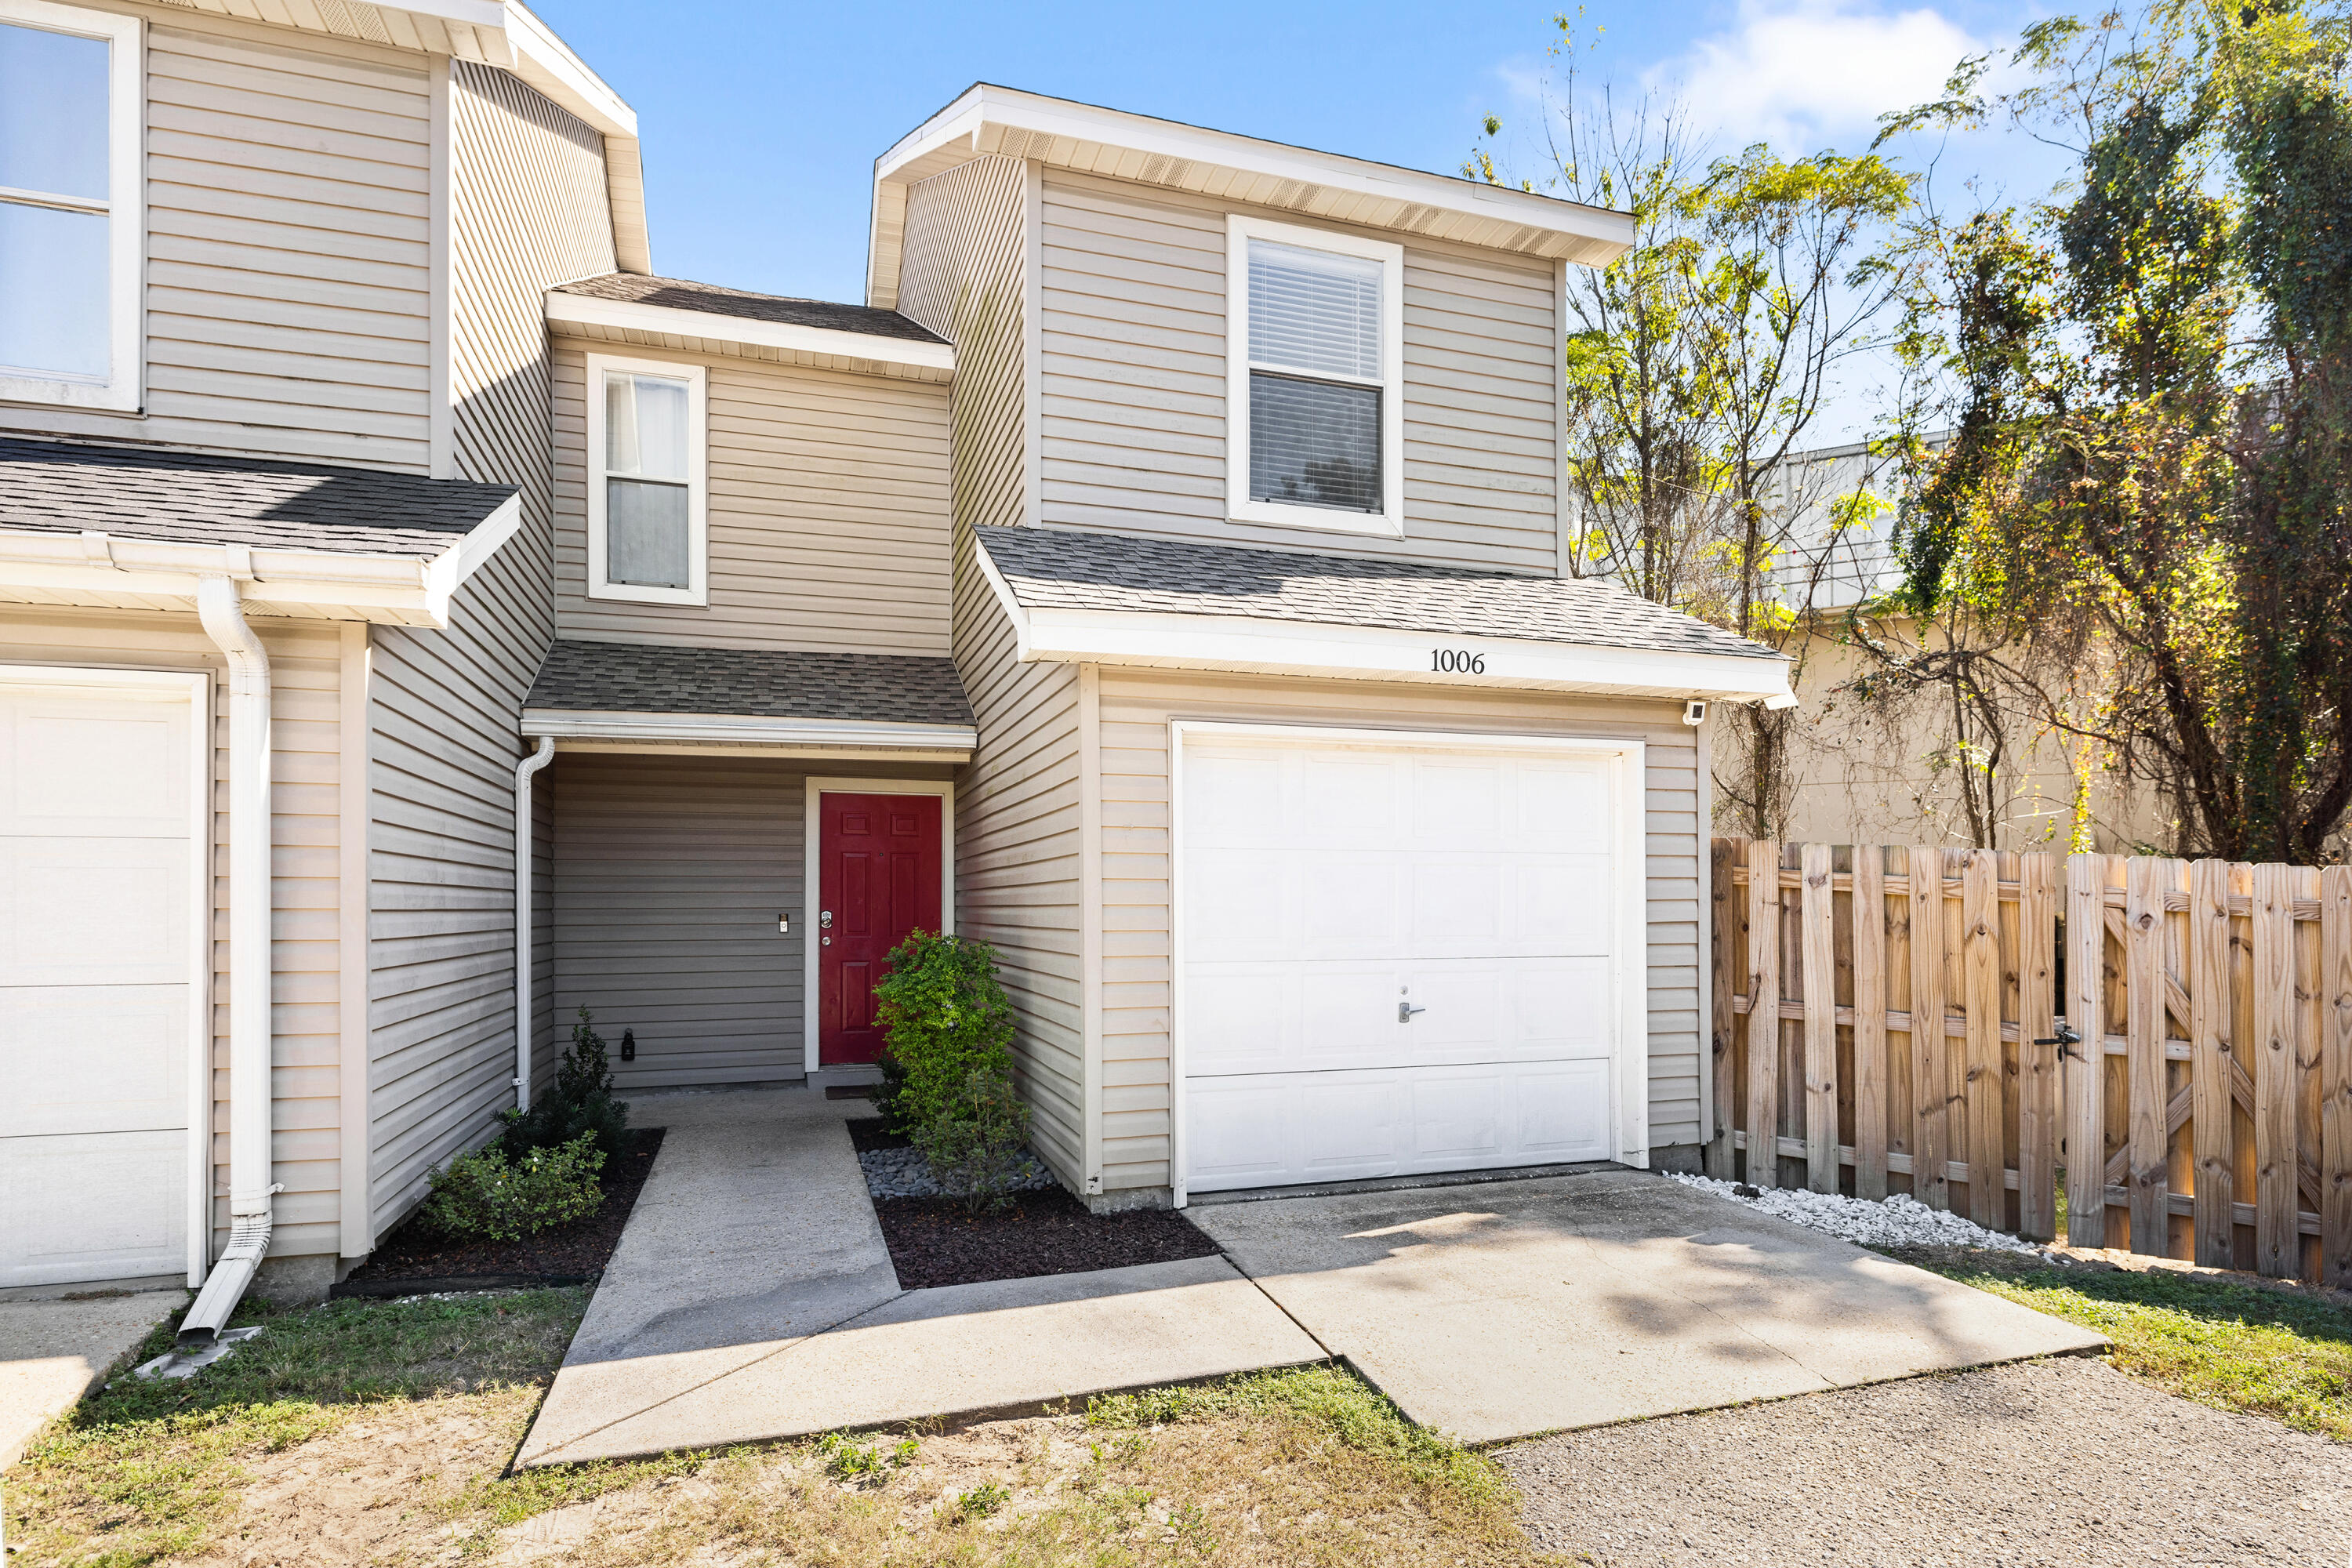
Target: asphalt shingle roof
[678,294]
[184,498]
[641,677]
[1056,569]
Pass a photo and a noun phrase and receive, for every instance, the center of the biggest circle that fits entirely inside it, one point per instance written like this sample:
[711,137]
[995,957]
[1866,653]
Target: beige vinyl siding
[962,279]
[1138,979]
[306,830]
[1017,857]
[1133,385]
[287,251]
[445,705]
[829,500]
[670,874]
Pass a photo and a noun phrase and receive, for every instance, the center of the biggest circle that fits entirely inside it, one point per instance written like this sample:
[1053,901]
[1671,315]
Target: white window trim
[1390,523]
[124,387]
[814,790]
[698,508]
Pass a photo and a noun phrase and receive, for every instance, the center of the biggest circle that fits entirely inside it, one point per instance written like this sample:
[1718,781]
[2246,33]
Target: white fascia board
[584,311]
[414,588]
[1245,646]
[548,63]
[985,105]
[747,729]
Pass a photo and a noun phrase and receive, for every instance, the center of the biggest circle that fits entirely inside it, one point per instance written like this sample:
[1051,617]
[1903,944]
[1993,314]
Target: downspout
[250,1188]
[522,833]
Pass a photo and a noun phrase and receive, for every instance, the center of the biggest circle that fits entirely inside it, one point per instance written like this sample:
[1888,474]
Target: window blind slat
[1315,442]
[1313,311]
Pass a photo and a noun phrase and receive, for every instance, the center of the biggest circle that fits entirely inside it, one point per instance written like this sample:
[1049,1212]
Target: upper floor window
[648,534]
[1314,385]
[69,206]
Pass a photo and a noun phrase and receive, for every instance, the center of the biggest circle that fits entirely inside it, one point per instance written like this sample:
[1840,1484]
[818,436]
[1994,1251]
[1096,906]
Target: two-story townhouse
[276,541]
[1169,591]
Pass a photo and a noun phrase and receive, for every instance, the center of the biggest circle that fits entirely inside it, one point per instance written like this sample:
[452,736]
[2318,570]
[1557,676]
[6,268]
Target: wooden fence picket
[2212,1003]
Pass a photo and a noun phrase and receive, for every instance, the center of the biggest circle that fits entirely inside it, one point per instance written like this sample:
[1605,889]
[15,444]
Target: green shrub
[483,1195]
[975,1146]
[947,1018]
[579,1105]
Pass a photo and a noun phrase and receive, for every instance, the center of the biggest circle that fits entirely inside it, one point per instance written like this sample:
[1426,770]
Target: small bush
[981,1500]
[579,1105]
[862,1464]
[975,1146]
[947,1018]
[484,1194]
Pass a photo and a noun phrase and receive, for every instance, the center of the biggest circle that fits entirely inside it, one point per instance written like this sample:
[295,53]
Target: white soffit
[116,572]
[1061,135]
[666,326]
[584,728]
[502,33]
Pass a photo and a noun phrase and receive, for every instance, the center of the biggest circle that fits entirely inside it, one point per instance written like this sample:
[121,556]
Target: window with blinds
[1317,363]
[645,515]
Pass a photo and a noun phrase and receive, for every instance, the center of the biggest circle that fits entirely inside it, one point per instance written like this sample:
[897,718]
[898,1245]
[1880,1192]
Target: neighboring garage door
[1326,888]
[96,812]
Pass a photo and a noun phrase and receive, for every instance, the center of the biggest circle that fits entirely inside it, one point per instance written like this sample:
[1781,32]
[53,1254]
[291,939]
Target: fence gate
[1889,1020]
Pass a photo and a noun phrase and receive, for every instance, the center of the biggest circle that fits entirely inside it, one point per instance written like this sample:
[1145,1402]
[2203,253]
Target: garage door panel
[92,1206]
[1238,1132]
[1562,1111]
[1348,1122]
[94,1058]
[1242,1018]
[1234,798]
[1346,905]
[130,772]
[1341,800]
[92,912]
[1282,1016]
[1461,1117]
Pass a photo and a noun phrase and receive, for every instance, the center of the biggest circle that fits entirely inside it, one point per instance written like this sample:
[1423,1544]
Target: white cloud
[1796,72]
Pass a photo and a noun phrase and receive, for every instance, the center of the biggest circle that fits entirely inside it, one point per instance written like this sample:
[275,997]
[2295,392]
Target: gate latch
[2066,1039]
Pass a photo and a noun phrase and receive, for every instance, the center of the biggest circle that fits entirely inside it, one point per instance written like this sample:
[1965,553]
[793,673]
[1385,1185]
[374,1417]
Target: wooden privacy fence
[1888,1031]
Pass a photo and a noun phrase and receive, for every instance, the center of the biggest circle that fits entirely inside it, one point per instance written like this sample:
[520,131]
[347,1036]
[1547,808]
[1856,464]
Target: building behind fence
[1893,1032]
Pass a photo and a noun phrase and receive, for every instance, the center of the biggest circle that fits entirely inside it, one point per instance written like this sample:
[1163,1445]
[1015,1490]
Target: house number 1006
[1457,661]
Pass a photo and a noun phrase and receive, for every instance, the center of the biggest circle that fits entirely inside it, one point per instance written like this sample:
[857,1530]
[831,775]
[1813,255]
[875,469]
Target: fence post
[1869,1021]
[1930,1088]
[1722,931]
[1764,1012]
[2037,1090]
[2150,1174]
[2087,1070]
[1818,920]
[2277,1247]
[2336,1077]
[1981,989]
[2209,1112]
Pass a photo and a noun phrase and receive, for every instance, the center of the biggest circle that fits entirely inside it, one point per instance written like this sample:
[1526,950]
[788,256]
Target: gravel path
[904,1174]
[2056,1462]
[1899,1220]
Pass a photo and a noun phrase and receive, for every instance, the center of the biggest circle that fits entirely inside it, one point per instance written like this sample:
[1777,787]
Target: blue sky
[762,122]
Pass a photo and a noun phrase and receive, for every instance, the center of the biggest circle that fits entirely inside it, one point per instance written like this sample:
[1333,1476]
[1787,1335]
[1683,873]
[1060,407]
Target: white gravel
[1900,1221]
[904,1174]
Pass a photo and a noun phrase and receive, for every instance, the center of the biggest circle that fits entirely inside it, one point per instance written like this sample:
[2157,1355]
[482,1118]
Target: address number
[1457,661]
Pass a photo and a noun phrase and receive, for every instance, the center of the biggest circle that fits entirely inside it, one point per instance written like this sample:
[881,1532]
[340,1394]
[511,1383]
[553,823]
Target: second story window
[1314,405]
[69,206]
[647,533]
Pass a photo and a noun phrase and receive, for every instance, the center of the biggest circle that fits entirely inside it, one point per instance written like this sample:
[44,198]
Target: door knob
[1405,1010]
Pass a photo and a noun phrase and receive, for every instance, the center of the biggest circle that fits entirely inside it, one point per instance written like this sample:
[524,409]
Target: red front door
[878,878]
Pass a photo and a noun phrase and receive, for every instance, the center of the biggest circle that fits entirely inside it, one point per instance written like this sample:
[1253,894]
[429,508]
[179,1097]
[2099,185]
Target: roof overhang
[118,572]
[507,35]
[1239,645]
[581,729]
[825,348]
[1007,123]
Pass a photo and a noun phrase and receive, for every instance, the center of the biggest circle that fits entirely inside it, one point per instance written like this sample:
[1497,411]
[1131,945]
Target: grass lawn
[379,1431]
[2240,1347]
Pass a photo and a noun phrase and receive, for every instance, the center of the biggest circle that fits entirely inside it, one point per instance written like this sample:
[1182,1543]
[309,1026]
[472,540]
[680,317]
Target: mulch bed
[866,1135]
[417,1258]
[937,1241]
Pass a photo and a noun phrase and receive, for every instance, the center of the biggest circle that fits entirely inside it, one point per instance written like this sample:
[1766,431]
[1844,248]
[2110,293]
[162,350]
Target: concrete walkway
[751,1298]
[1525,1307]
[53,1352]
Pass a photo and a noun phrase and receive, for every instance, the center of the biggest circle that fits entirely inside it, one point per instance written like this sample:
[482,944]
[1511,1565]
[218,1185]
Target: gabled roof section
[989,120]
[1118,599]
[117,525]
[704,318]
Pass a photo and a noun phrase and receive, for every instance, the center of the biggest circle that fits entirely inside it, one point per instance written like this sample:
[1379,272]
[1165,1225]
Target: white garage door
[1396,960]
[95,957]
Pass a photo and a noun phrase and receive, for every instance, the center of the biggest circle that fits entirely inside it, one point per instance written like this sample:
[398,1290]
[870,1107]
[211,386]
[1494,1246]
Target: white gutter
[411,588]
[522,834]
[249,1183]
[635,315]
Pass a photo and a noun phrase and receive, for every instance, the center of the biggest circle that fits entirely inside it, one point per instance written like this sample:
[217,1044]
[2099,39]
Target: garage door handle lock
[1405,1010]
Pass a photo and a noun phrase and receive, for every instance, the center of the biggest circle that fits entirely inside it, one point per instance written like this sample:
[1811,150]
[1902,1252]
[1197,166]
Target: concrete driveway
[52,1351]
[1514,1308]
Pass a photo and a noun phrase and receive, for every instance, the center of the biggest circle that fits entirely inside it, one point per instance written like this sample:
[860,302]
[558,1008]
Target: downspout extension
[250,1188]
[523,772]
